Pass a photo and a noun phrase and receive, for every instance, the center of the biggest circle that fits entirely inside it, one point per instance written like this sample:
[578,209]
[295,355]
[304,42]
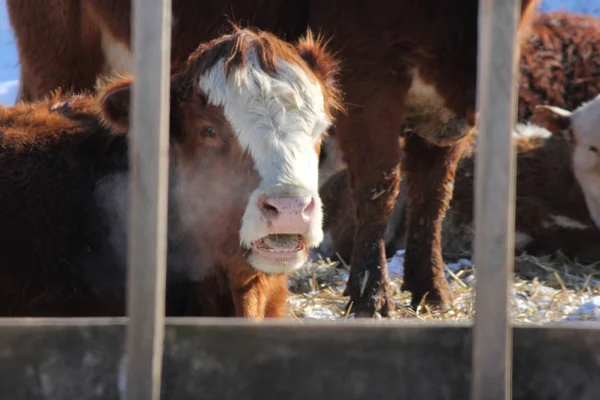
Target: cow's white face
[585,123]
[279,119]
[585,128]
[581,129]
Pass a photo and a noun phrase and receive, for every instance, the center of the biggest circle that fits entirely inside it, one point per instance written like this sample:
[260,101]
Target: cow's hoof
[435,300]
[364,315]
[376,306]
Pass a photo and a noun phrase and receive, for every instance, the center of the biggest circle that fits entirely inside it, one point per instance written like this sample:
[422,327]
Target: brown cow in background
[557,198]
[408,61]
[559,66]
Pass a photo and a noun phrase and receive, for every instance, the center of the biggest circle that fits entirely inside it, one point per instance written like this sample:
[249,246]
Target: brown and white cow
[247,117]
[557,199]
[418,66]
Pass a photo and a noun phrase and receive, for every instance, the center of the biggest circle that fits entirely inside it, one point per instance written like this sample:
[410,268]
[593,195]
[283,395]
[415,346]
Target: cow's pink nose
[287,214]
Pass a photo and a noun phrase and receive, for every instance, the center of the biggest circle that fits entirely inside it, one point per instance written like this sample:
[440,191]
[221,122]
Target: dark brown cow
[557,199]
[560,62]
[417,66]
[243,209]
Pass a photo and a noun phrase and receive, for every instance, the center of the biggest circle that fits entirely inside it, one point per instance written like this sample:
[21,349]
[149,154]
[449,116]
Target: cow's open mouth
[280,243]
[279,253]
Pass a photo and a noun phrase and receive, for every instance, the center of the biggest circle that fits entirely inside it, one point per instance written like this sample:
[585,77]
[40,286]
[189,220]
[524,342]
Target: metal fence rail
[494,197]
[233,359]
[147,237]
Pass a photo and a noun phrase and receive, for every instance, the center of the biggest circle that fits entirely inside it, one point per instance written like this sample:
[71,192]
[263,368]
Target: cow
[559,66]
[557,197]
[247,116]
[418,67]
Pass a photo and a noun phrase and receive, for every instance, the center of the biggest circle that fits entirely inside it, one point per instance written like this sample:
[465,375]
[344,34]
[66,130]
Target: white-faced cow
[248,113]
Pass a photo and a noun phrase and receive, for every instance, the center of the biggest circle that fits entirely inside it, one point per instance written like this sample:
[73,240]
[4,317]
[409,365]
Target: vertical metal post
[151,22]
[494,198]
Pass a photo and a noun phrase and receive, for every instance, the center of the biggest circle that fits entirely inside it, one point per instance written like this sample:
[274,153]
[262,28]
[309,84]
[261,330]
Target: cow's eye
[209,132]
[593,149]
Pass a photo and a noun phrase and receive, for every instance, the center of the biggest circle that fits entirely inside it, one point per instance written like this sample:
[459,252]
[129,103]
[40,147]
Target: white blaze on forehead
[278,119]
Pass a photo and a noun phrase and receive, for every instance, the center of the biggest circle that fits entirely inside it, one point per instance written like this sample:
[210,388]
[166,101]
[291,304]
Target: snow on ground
[542,291]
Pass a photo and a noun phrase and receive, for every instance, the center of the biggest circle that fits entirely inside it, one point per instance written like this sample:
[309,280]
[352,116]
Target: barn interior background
[9,68]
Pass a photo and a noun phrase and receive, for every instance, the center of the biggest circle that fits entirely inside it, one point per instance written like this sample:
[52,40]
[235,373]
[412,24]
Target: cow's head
[580,129]
[248,114]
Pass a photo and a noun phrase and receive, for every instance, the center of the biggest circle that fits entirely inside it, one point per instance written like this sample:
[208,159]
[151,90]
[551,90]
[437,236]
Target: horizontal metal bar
[232,359]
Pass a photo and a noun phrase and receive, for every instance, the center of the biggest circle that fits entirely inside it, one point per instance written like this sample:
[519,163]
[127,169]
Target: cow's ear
[555,119]
[115,105]
[313,50]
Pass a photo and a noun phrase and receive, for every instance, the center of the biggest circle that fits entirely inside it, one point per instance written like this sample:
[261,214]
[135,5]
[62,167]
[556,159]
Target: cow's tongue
[281,242]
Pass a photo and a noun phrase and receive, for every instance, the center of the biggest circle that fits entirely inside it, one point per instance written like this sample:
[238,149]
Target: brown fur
[58,44]
[560,62]
[437,37]
[61,250]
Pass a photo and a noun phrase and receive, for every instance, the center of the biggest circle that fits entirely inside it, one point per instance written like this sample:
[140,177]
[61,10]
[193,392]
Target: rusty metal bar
[494,198]
[151,22]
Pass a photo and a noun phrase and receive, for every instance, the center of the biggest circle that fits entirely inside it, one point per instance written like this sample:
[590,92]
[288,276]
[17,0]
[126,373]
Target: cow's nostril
[268,209]
[310,207]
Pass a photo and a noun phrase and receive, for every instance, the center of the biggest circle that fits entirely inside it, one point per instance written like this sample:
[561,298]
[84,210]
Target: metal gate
[88,358]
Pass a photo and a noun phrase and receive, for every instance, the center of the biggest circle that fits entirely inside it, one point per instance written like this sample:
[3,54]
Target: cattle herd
[289,136]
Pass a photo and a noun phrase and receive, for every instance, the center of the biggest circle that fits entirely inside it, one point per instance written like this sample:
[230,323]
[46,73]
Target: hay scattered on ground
[546,289]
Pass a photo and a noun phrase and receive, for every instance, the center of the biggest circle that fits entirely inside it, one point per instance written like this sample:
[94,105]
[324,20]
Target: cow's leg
[429,172]
[58,45]
[368,138]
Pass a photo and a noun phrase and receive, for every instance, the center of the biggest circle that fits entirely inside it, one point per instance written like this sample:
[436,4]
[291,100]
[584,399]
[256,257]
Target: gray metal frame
[231,359]
[240,359]
[151,21]
[494,197]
